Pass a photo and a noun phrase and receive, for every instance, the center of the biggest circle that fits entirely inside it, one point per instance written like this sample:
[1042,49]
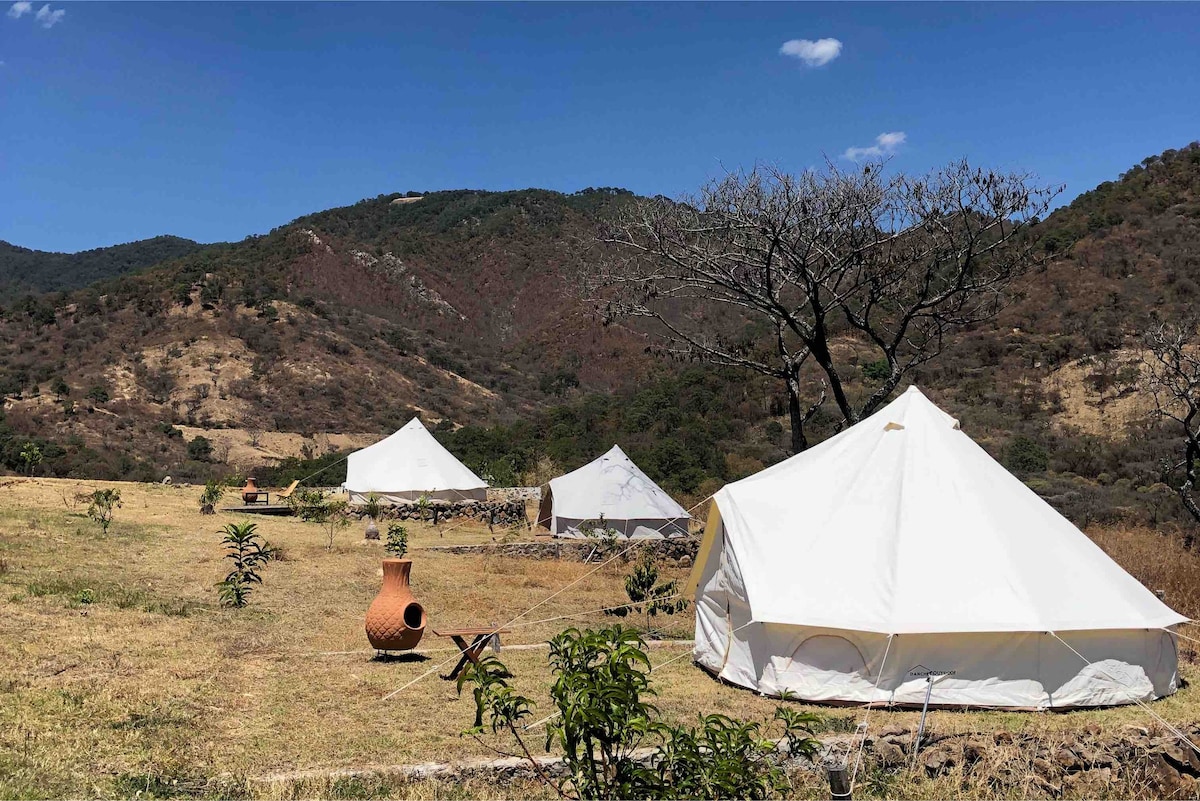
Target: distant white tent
[613,489]
[898,551]
[408,465]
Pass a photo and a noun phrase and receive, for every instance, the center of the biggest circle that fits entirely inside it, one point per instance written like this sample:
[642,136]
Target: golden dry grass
[155,679]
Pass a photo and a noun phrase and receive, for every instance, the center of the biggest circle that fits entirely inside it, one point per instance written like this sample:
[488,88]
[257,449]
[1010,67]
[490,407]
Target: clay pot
[250,491]
[372,532]
[395,621]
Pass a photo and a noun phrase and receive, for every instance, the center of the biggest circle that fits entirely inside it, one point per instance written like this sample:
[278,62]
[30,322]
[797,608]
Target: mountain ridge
[459,307]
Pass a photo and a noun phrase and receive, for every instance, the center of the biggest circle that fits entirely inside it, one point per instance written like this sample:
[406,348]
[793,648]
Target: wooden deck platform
[278,510]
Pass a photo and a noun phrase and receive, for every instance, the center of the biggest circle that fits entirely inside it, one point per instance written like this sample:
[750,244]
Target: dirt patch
[1098,395]
[248,447]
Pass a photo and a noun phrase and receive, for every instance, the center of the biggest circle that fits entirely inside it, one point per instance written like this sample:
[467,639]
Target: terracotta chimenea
[250,491]
[395,621]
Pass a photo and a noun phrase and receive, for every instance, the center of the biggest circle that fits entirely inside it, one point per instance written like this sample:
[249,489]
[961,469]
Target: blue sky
[214,121]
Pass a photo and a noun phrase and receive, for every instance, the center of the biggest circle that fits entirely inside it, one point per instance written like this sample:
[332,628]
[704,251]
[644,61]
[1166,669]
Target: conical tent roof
[615,487]
[903,524]
[409,461]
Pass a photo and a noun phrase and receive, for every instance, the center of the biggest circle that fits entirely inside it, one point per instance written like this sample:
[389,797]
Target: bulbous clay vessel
[250,491]
[395,621]
[372,531]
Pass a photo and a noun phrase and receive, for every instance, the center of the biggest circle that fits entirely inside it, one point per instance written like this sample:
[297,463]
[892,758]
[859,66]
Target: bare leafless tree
[763,270]
[1172,362]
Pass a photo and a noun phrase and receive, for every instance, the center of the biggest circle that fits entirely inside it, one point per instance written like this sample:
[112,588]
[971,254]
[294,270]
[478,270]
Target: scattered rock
[890,754]
[1044,769]
[1068,760]
[937,761]
[973,751]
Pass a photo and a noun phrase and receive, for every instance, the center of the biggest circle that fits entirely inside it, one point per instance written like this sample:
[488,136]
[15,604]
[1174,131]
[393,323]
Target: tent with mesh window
[897,558]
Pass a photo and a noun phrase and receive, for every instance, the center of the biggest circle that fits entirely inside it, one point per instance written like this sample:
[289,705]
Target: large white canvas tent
[613,489]
[408,465]
[898,551]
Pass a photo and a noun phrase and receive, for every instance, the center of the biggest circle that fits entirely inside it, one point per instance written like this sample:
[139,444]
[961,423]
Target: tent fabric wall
[408,465]
[902,530]
[613,489]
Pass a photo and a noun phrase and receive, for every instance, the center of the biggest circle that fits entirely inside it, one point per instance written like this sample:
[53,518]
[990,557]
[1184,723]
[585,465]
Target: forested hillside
[24,271]
[464,307]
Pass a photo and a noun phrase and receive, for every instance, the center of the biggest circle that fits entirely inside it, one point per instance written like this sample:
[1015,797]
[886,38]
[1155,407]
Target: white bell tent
[407,466]
[614,490]
[899,553]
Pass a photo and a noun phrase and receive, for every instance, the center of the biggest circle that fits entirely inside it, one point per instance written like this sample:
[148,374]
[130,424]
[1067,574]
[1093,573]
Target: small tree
[648,595]
[314,506]
[200,449]
[775,274]
[601,681]
[397,541]
[103,503]
[213,490]
[1173,379]
[31,455]
[423,504]
[604,535]
[249,552]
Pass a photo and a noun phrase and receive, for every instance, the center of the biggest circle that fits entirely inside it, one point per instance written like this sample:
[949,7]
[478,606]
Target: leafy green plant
[604,535]
[314,506]
[423,504]
[31,455]
[103,503]
[213,490]
[647,594]
[248,552]
[372,506]
[602,679]
[397,541]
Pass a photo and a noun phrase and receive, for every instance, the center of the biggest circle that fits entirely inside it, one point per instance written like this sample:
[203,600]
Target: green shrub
[397,541]
[1024,456]
[372,506]
[648,596]
[213,490]
[200,449]
[600,686]
[248,552]
[103,503]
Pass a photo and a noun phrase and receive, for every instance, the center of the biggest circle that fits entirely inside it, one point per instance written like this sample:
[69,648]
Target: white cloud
[50,18]
[885,145]
[813,54]
[20,9]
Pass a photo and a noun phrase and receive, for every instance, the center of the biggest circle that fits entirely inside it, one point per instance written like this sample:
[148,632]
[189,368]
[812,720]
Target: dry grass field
[153,682]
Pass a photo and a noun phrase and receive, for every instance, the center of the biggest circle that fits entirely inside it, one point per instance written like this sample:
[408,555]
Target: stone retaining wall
[494,513]
[1081,762]
[679,551]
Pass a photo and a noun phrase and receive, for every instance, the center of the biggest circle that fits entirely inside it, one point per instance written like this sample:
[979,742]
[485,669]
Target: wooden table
[470,653]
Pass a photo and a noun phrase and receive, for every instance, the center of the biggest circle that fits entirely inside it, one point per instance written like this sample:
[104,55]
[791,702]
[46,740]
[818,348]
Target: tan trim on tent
[893,427]
[706,542]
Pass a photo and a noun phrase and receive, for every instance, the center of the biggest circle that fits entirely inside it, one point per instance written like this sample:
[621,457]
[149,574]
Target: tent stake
[924,713]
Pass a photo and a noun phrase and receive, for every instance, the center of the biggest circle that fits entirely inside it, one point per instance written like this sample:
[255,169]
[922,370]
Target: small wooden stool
[470,653]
